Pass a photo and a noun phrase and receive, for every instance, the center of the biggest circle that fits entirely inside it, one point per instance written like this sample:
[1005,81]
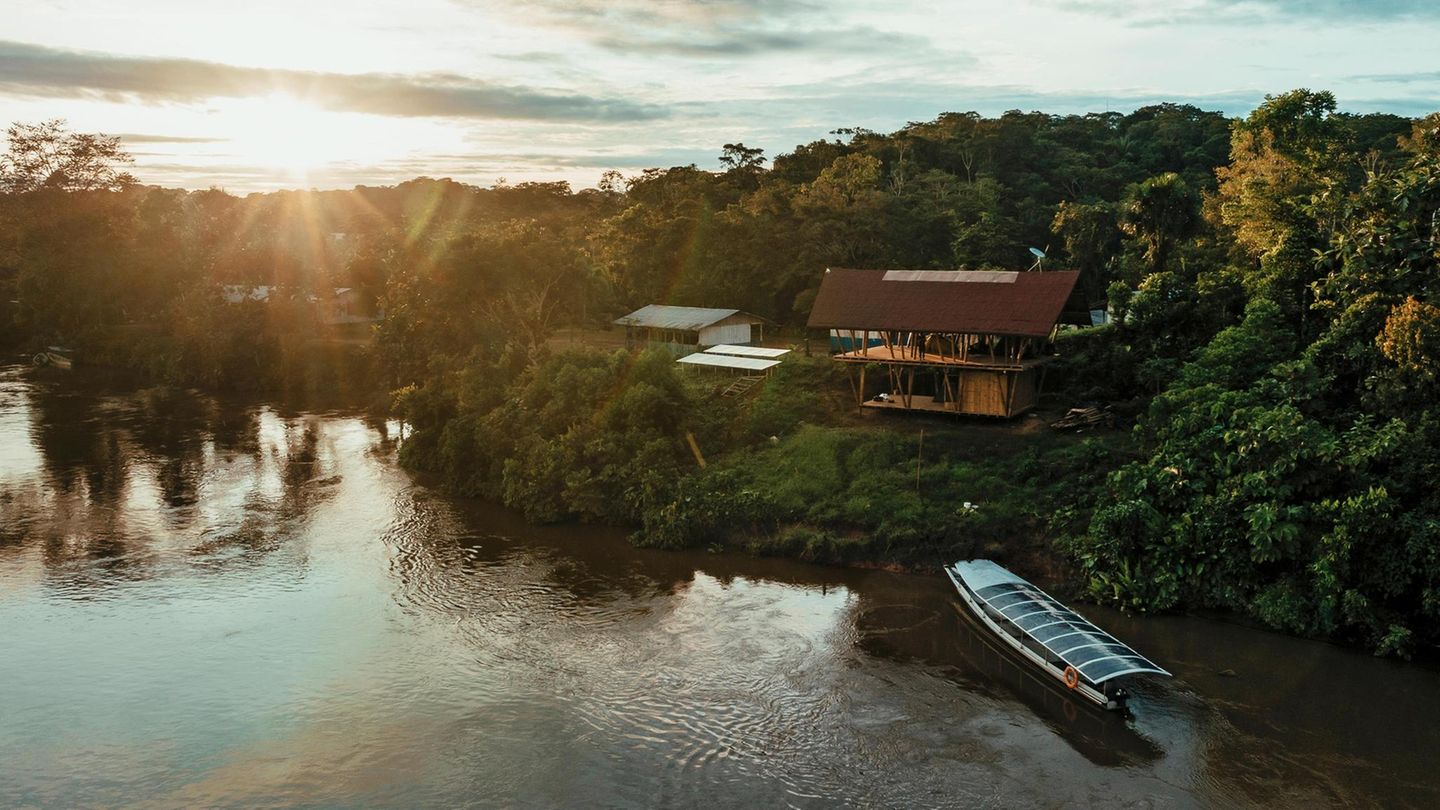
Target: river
[221,603]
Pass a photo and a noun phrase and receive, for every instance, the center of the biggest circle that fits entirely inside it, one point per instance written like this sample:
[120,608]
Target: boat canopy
[1094,653]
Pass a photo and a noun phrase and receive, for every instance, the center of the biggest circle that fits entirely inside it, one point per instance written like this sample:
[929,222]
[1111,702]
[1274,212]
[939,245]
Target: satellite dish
[1039,258]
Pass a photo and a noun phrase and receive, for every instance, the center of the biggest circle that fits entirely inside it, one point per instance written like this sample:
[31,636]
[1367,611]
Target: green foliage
[575,435]
[844,494]
[1159,213]
[801,389]
[1290,464]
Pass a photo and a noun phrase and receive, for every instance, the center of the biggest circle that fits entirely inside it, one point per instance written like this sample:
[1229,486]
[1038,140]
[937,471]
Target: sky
[263,94]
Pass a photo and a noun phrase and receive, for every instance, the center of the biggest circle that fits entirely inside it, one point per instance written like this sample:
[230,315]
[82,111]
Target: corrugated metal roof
[1028,305]
[727,361]
[660,316]
[746,351]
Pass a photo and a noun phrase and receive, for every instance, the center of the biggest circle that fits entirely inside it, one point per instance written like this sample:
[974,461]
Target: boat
[1085,660]
[54,356]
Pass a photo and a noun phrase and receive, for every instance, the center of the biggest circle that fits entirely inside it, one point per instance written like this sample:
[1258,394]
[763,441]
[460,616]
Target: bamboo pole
[919,455]
[695,448]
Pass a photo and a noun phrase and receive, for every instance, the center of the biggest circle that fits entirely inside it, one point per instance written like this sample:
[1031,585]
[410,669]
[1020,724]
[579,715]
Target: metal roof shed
[692,326]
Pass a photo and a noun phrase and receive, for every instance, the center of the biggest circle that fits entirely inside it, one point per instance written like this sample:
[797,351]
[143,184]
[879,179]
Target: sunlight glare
[287,134]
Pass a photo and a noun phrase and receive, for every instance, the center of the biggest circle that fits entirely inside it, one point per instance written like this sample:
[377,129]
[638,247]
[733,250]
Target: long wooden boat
[1086,660]
[53,356]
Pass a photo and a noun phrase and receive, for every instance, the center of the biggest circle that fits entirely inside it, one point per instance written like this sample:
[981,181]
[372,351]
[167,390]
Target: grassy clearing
[875,493]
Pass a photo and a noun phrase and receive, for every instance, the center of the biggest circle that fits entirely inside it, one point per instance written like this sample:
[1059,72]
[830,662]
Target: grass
[873,493]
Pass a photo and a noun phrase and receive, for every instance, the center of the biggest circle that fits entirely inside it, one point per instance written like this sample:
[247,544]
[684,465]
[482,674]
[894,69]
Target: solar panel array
[726,361]
[747,351]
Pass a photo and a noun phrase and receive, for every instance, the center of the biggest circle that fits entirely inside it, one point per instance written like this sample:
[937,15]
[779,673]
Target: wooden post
[919,454]
[695,448]
[861,402]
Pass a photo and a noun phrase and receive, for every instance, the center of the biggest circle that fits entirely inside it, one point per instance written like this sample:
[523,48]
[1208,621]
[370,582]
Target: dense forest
[1276,340]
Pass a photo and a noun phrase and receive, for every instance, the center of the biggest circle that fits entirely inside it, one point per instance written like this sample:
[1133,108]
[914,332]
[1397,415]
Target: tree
[47,156]
[1092,238]
[738,157]
[1160,212]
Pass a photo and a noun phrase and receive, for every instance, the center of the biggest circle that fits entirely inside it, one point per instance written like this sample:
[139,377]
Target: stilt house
[952,341]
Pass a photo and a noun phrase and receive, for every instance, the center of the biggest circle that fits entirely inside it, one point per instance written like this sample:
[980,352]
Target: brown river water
[217,603]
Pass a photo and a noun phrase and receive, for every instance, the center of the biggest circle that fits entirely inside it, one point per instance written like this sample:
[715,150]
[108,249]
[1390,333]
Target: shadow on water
[979,662]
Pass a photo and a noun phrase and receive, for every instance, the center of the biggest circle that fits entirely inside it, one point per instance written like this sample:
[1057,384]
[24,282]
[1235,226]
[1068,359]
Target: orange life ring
[1072,677]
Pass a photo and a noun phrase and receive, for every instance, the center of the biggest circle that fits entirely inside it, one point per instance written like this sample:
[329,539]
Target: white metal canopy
[746,351]
[727,361]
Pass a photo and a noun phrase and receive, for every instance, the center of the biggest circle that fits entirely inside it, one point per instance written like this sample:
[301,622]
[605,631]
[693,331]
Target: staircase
[741,386]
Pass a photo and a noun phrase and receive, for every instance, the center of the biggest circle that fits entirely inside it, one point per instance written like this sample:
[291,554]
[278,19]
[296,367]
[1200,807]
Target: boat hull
[53,360]
[1082,690]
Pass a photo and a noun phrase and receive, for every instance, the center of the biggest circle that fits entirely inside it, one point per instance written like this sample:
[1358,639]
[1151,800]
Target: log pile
[1085,417]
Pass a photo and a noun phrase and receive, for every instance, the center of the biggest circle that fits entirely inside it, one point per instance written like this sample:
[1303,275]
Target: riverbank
[792,470]
[333,365]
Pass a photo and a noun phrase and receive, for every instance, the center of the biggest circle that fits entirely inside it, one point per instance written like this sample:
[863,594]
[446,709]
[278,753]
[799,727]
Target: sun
[286,141]
[284,134]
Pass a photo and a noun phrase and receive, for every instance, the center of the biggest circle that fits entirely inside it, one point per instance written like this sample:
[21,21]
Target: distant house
[240,293]
[951,341]
[689,329]
[347,305]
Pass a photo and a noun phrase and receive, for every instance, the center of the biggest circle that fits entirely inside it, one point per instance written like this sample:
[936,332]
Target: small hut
[951,341]
[689,329]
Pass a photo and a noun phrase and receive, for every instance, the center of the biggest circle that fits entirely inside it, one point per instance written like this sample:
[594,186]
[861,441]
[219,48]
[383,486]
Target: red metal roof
[987,303]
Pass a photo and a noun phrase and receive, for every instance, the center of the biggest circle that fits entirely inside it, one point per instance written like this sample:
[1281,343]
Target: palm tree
[1160,212]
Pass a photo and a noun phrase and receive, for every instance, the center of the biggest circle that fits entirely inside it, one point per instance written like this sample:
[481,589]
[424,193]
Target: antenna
[1039,259]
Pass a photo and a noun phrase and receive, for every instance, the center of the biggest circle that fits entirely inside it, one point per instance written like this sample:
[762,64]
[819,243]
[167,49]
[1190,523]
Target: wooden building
[953,341]
[689,329]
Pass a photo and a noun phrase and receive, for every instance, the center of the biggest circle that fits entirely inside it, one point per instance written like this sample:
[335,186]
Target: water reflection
[217,603]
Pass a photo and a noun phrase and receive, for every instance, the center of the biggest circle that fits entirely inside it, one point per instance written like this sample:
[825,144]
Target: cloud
[747,42]
[1421,77]
[140,137]
[36,70]
[711,28]
[1234,12]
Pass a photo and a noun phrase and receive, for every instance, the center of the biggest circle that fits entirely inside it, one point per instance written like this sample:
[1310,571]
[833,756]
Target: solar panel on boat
[1065,634]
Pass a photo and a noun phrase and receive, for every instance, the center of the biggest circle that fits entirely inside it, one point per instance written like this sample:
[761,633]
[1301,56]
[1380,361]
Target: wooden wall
[988,393]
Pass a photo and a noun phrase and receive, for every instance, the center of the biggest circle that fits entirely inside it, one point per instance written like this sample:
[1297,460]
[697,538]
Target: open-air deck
[904,355]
